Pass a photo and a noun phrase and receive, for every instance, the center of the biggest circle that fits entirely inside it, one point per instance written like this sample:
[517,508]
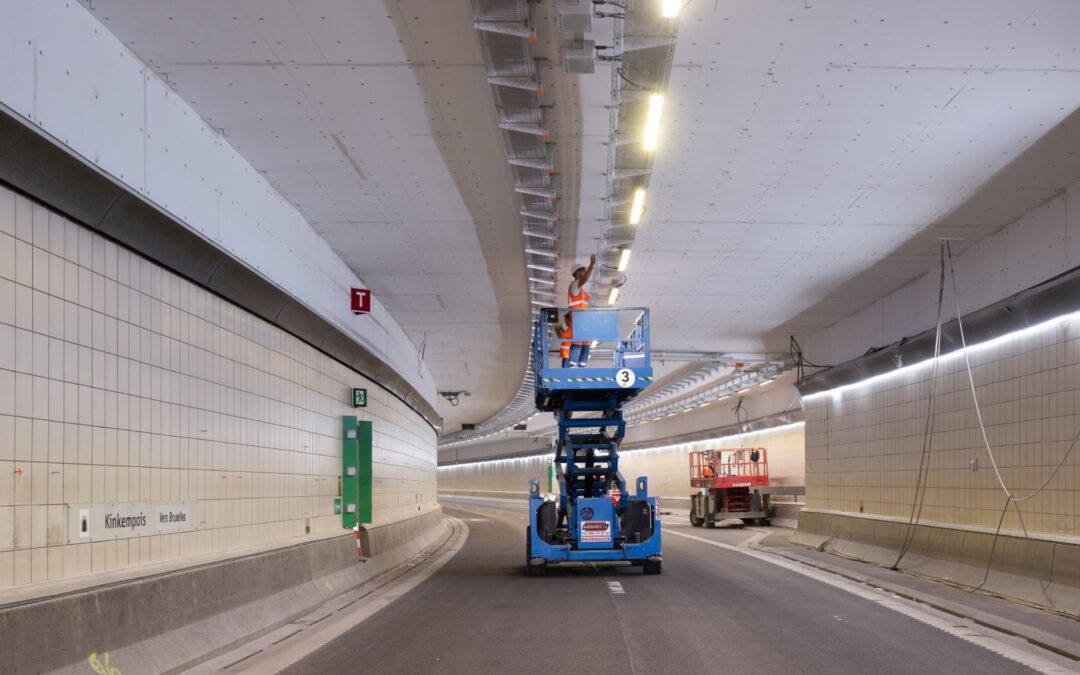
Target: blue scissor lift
[590,521]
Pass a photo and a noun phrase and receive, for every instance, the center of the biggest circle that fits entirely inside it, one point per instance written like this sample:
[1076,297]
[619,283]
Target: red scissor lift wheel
[728,480]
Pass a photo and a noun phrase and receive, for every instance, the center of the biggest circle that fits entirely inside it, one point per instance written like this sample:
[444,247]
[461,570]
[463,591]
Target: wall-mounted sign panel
[101,522]
[360,300]
[359,398]
[356,471]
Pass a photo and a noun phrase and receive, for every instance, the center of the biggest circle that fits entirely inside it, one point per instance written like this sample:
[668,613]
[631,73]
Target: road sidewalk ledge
[1054,632]
[166,622]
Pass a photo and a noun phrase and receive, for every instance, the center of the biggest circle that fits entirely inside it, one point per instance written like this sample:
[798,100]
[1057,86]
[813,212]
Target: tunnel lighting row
[736,387]
[1059,323]
[716,441]
[670,8]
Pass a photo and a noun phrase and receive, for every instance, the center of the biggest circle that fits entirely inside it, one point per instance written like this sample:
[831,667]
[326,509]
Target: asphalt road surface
[710,611]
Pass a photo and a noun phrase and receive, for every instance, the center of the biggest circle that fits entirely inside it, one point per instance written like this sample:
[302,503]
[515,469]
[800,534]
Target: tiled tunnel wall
[122,382]
[864,444]
[667,467]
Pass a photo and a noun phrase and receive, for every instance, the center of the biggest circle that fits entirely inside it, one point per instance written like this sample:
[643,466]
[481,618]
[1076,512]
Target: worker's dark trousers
[579,354]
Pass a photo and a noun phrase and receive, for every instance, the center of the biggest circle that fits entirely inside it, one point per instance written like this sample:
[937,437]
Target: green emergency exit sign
[359,398]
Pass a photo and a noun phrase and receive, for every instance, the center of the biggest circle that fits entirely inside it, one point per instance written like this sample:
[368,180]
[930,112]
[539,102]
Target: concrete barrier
[1043,571]
[170,621]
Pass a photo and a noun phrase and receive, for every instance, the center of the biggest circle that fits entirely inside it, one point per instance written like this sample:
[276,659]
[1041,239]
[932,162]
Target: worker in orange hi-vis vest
[566,331]
[577,354]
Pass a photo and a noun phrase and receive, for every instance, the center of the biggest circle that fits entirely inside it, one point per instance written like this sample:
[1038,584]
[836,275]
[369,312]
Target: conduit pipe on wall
[1046,301]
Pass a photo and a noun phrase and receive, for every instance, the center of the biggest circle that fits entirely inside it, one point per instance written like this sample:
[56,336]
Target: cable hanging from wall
[1011,498]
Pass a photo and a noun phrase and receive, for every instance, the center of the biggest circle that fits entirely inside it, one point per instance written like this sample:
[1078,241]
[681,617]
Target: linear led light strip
[650,136]
[720,392]
[944,358]
[718,441]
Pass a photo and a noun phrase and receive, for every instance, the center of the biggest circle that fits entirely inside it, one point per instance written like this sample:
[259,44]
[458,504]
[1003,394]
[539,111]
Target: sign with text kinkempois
[102,522]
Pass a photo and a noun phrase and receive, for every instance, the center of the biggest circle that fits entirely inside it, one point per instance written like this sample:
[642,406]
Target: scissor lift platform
[594,519]
[729,482]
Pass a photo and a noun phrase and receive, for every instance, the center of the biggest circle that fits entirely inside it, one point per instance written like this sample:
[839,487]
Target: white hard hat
[577,268]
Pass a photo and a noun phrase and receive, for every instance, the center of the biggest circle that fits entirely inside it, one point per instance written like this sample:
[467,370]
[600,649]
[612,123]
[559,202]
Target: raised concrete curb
[166,622]
[1039,571]
[1022,629]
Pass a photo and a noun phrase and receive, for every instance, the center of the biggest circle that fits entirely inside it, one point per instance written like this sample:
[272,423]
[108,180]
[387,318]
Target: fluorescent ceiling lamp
[537,280]
[613,296]
[652,122]
[539,235]
[669,9]
[741,391]
[638,206]
[762,384]
[542,268]
[624,259]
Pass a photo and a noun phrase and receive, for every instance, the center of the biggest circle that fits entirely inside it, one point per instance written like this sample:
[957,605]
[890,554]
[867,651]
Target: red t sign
[361,301]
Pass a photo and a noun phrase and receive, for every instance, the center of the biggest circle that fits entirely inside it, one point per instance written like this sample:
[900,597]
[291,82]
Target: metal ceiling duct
[507,31]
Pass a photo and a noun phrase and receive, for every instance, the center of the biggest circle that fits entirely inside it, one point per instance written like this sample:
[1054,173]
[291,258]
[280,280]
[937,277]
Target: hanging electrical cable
[1011,499]
[928,431]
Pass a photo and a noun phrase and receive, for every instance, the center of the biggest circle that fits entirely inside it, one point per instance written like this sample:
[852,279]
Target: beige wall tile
[22,567]
[120,381]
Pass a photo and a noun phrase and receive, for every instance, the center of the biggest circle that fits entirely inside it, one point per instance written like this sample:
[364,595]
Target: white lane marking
[616,588]
[965,630]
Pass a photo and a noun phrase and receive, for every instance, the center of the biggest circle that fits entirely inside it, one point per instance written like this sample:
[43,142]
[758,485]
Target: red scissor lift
[729,482]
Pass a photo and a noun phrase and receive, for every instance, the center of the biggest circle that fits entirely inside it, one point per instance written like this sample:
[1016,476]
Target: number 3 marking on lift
[625,378]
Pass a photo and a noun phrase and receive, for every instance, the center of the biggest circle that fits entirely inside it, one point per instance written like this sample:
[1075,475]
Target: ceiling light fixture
[613,296]
[652,122]
[542,252]
[669,9]
[542,268]
[638,206]
[537,280]
[624,259]
[540,235]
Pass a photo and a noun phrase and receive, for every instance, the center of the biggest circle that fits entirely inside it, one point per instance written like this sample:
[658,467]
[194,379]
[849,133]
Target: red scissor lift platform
[728,482]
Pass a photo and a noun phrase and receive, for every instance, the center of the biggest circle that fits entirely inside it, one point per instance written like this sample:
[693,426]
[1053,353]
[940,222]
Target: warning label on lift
[594,531]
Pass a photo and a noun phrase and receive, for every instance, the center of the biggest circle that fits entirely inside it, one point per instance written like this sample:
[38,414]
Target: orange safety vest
[579,301]
[566,334]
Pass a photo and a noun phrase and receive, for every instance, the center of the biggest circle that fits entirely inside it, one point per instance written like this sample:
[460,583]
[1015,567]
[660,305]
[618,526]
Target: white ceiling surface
[805,143]
[376,120]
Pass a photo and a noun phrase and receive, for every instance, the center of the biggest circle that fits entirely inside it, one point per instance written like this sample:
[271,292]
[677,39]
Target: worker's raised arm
[589,269]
